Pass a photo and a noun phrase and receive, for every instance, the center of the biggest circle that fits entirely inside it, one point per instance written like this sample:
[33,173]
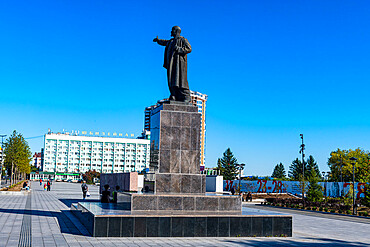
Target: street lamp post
[327,181]
[302,152]
[241,166]
[341,175]
[353,159]
[2,156]
[323,175]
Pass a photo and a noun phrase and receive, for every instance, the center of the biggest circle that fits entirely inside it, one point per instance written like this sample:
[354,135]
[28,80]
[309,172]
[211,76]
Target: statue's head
[176,30]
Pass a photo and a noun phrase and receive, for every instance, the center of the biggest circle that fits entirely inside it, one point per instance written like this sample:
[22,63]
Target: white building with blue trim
[72,154]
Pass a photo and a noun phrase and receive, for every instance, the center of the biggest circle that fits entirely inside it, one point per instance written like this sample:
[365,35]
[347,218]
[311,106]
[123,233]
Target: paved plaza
[42,218]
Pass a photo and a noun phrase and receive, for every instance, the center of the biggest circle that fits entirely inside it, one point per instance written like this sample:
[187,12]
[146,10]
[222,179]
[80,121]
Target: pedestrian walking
[85,189]
[40,181]
[48,185]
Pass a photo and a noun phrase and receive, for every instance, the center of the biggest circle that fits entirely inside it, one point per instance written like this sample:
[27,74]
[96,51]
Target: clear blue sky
[272,70]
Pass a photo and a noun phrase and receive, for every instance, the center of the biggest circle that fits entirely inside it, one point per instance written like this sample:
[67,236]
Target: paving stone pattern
[53,225]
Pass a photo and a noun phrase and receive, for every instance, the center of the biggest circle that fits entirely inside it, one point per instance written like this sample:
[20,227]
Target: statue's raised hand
[155,39]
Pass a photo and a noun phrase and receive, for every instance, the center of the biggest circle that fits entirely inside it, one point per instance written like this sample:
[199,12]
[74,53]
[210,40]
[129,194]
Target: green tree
[90,175]
[312,164]
[315,191]
[296,170]
[339,163]
[219,168]
[229,165]
[17,156]
[279,171]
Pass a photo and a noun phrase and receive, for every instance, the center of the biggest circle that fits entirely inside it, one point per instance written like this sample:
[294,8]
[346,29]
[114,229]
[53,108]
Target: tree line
[339,163]
[296,169]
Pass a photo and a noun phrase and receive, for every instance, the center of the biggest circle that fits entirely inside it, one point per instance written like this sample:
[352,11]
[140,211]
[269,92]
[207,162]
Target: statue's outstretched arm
[160,41]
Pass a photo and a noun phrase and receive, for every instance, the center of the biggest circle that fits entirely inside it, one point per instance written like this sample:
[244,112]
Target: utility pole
[301,151]
[2,156]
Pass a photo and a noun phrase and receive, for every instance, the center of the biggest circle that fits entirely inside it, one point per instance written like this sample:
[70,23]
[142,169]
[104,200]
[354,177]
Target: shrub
[314,208]
[326,209]
[332,211]
[363,213]
[348,211]
[366,200]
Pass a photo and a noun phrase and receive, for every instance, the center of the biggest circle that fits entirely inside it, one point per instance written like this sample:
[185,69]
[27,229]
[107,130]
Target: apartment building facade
[74,154]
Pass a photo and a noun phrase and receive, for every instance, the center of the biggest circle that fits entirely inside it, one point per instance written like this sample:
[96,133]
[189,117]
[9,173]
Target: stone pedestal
[179,206]
[175,148]
[193,203]
[175,134]
[180,183]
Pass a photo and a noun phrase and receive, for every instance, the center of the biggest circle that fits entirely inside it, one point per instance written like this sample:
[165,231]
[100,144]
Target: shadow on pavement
[63,217]
[292,242]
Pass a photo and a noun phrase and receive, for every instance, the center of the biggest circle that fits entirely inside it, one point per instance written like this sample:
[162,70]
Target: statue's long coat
[175,61]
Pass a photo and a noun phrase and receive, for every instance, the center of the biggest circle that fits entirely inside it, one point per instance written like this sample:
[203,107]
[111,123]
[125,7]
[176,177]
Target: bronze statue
[175,61]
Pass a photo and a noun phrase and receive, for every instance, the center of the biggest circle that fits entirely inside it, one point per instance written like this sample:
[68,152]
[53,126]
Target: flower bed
[332,205]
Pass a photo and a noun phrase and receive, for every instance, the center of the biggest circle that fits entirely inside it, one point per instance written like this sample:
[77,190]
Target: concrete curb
[15,192]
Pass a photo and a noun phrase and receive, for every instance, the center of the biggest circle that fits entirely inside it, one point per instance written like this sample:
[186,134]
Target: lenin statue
[175,61]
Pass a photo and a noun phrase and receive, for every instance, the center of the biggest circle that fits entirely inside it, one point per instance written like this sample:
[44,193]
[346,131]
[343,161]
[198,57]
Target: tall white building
[65,154]
[200,100]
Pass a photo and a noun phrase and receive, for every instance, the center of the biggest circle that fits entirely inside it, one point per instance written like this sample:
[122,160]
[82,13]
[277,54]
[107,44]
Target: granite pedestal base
[180,183]
[110,220]
[179,202]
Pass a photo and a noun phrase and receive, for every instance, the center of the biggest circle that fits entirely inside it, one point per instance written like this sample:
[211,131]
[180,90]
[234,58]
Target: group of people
[47,185]
[105,197]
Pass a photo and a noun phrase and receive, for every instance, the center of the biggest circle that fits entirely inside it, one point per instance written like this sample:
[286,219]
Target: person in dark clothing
[48,185]
[232,190]
[105,194]
[84,189]
[249,196]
